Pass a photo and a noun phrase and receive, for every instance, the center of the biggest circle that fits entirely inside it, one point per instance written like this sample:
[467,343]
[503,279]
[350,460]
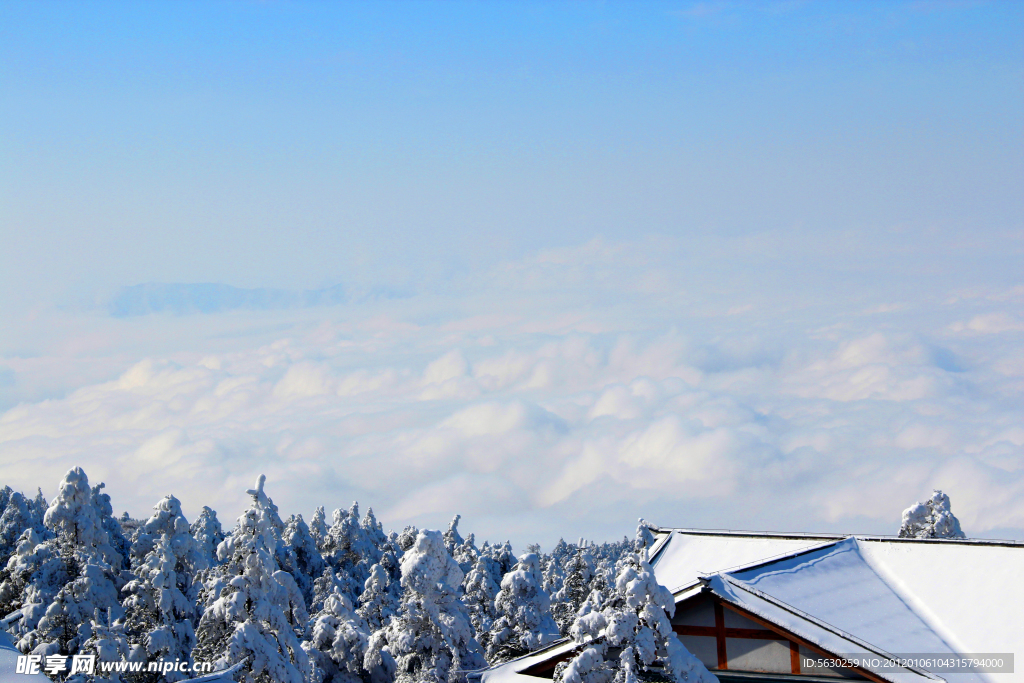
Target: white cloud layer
[564,394]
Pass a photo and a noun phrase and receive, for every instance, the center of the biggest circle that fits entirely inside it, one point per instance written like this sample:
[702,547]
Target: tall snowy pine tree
[256,615]
[575,589]
[160,604]
[524,623]
[431,640]
[67,579]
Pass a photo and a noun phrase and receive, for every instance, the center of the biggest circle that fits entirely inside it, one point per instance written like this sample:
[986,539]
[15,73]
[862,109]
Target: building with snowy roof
[786,607]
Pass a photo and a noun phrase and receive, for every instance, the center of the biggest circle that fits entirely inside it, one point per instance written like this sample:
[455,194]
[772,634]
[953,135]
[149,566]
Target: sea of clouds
[727,384]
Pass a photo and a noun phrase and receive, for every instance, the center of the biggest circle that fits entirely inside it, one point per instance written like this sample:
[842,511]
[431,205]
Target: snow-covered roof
[681,556]
[864,593]
[511,672]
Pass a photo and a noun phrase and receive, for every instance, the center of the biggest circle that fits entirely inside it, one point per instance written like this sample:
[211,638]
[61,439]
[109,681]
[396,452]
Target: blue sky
[800,208]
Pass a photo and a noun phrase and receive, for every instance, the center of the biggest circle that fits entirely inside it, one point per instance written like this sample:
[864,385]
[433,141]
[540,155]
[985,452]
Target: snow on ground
[9,663]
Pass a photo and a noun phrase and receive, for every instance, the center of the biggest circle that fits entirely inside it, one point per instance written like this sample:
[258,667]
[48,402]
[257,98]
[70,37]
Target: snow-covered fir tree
[168,520]
[382,590]
[380,598]
[318,527]
[479,591]
[108,641]
[115,536]
[505,558]
[406,538]
[19,513]
[644,538]
[554,577]
[390,558]
[33,575]
[561,553]
[324,586]
[452,537]
[629,638]
[466,554]
[463,550]
[524,620]
[603,579]
[575,589]
[338,641]
[498,559]
[351,549]
[66,579]
[298,555]
[256,613]
[431,640]
[74,516]
[208,533]
[931,519]
[373,532]
[160,607]
[160,603]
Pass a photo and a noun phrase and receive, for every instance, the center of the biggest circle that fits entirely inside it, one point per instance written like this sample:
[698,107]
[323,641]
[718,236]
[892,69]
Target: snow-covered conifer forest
[339,600]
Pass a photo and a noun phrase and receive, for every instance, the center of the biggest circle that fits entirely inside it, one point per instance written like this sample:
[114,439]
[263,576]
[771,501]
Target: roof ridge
[781,556]
[1009,543]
